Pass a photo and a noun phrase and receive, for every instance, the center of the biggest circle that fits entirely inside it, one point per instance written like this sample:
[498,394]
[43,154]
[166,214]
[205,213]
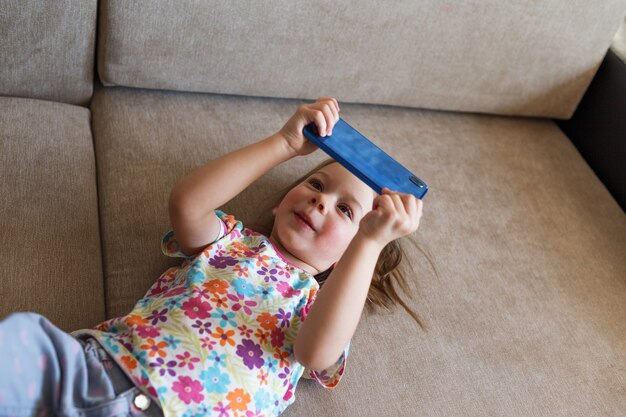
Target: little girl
[231,330]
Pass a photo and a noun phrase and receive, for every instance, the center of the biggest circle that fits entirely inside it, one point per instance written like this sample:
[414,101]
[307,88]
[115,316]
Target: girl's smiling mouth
[303,222]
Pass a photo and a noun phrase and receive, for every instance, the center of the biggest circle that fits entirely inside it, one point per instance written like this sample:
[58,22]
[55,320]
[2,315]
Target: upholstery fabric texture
[525,309]
[50,237]
[51,45]
[485,56]
[526,317]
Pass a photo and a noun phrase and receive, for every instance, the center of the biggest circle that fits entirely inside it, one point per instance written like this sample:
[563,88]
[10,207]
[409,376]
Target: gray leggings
[45,371]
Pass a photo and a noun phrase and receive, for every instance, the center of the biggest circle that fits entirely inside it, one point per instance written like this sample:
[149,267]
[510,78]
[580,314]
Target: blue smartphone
[366,160]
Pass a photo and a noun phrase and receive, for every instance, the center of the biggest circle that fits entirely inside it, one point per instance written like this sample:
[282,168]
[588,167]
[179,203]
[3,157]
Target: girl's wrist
[367,241]
[287,150]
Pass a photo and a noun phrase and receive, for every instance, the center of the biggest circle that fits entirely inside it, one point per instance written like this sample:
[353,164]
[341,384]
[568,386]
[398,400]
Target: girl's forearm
[220,180]
[335,314]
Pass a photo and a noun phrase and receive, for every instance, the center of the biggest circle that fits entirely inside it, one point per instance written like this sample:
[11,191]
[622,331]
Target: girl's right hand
[324,112]
[394,215]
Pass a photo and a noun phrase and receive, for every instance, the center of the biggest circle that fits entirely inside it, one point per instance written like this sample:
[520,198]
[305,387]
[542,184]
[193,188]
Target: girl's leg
[45,371]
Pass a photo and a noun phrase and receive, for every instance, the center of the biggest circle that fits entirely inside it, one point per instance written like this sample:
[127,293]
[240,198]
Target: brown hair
[382,292]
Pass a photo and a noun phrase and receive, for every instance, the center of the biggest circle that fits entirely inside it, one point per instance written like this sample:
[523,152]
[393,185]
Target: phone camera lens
[416,181]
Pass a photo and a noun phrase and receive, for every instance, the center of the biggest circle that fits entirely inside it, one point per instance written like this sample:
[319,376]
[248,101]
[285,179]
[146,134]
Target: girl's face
[333,201]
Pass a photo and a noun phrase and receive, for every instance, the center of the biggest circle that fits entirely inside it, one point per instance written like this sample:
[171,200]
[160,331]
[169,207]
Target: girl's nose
[318,203]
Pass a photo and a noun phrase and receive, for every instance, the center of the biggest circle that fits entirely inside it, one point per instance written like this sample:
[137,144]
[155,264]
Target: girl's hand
[394,215]
[324,112]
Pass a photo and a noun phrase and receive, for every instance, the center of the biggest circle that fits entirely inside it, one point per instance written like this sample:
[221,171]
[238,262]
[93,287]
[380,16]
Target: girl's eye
[315,182]
[349,212]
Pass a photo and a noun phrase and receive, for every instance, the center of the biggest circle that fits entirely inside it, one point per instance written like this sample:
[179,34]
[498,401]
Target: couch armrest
[598,127]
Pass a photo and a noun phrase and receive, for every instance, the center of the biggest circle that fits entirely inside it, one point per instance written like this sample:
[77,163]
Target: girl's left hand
[324,113]
[394,215]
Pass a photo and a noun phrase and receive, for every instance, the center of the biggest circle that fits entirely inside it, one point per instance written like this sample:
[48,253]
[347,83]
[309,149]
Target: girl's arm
[333,317]
[193,198]
[217,182]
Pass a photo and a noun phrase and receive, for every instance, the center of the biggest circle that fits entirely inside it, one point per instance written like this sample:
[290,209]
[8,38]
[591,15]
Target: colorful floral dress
[214,336]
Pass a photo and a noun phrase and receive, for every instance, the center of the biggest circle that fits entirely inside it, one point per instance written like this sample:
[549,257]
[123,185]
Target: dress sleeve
[170,246]
[329,377]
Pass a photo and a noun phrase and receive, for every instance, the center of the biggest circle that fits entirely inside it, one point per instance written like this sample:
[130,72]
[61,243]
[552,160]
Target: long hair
[388,271]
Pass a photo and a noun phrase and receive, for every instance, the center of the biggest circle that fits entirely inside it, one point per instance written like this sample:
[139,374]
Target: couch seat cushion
[49,213]
[527,315]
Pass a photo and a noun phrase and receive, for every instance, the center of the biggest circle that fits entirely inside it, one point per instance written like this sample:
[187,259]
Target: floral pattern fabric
[214,336]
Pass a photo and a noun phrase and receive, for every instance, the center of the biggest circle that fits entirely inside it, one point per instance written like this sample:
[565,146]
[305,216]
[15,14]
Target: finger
[320,121]
[334,106]
[412,209]
[398,204]
[335,110]
[408,201]
[334,100]
[408,222]
[383,203]
[395,198]
[330,117]
[386,205]
[326,108]
[420,208]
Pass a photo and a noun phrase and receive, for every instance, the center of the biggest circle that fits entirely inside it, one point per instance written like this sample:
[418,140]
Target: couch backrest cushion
[515,58]
[47,49]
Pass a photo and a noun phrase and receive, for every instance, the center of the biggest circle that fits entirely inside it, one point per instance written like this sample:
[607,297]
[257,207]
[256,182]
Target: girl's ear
[274,210]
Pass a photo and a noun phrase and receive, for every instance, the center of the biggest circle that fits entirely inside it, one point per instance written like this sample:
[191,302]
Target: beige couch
[104,105]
